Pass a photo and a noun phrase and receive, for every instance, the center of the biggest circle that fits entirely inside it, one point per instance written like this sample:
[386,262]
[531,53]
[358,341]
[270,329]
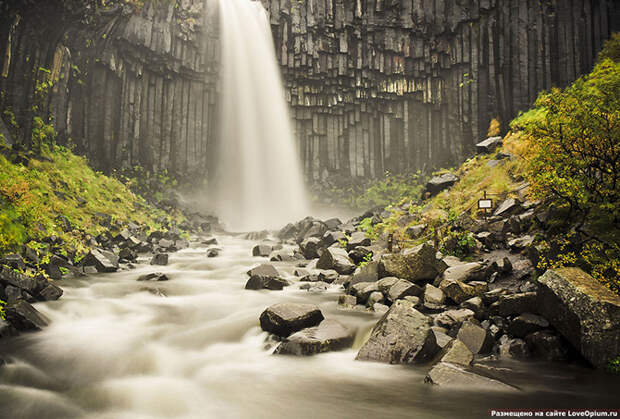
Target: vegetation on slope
[58,194]
[565,153]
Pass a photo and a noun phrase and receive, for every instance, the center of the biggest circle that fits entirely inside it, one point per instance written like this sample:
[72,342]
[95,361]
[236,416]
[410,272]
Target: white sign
[485,203]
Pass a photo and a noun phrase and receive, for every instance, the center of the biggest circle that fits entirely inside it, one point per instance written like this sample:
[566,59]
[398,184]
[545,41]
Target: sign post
[485,204]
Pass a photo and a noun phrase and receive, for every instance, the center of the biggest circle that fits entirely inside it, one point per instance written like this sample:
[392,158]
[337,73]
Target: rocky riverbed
[184,340]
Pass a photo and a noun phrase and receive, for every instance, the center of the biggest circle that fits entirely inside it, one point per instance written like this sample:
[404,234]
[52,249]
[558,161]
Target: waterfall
[258,181]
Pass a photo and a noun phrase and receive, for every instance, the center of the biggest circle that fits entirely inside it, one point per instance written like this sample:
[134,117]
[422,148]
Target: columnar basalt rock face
[403,85]
[130,87]
[374,85]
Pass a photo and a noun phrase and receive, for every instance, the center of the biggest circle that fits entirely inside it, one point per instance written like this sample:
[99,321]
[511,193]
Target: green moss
[33,197]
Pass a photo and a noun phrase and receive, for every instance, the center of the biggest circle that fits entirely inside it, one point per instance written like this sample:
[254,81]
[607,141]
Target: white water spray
[258,179]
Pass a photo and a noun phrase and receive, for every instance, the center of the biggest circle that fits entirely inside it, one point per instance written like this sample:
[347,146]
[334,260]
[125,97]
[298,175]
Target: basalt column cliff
[374,85]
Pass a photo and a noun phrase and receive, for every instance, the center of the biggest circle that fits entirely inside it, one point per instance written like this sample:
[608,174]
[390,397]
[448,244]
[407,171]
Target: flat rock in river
[451,375]
[329,335]
[286,318]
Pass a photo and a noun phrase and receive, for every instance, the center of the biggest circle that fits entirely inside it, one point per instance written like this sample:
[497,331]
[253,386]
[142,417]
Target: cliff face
[374,85]
[401,85]
[128,87]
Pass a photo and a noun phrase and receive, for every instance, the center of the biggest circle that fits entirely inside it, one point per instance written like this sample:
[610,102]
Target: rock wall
[374,85]
[403,85]
[129,87]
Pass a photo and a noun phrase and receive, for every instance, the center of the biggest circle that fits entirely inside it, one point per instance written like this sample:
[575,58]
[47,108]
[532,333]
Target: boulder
[331,237]
[333,223]
[585,312]
[401,289]
[415,231]
[521,243]
[363,290]
[160,259]
[310,247]
[514,304]
[455,352]
[450,375]
[527,323]
[439,183]
[380,308]
[24,317]
[451,318]
[465,272]
[155,276]
[386,283]
[262,250]
[328,275]
[357,239]
[367,273]
[13,261]
[457,291]
[375,297]
[477,340]
[9,277]
[361,254]
[102,260]
[270,283]
[329,335]
[337,259]
[50,293]
[213,252]
[402,336]
[474,304]
[508,207]
[285,319]
[433,295]
[416,264]
[489,145]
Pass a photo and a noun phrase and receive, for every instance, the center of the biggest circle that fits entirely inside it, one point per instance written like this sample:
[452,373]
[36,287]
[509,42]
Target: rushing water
[192,348]
[258,181]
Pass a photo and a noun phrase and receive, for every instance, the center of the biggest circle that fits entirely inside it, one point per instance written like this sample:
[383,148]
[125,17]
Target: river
[191,347]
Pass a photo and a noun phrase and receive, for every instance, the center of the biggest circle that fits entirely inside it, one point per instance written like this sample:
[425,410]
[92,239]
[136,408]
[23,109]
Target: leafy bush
[459,243]
[614,365]
[574,149]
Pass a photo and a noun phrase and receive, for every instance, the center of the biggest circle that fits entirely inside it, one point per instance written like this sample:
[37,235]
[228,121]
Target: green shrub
[458,243]
[575,148]
[614,365]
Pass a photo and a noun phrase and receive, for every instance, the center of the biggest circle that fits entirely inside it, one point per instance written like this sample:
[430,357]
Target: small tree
[576,145]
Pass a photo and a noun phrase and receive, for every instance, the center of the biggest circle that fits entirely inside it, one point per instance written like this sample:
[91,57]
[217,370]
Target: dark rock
[489,145]
[514,304]
[402,336]
[210,242]
[287,318]
[23,282]
[128,254]
[465,272]
[13,261]
[154,276]
[476,305]
[367,273]
[329,335]
[455,352]
[50,293]
[357,239]
[477,340]
[213,252]
[333,223]
[13,294]
[547,346]
[336,259]
[310,247]
[309,278]
[527,323]
[363,290]
[508,207]
[457,291]
[585,312]
[331,237]
[102,260]
[328,276]
[439,183]
[415,264]
[261,250]
[271,283]
[160,259]
[401,289]
[360,254]
[451,318]
[24,317]
[450,375]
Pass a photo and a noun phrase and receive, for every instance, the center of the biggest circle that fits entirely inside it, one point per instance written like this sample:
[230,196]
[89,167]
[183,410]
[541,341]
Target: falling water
[258,182]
